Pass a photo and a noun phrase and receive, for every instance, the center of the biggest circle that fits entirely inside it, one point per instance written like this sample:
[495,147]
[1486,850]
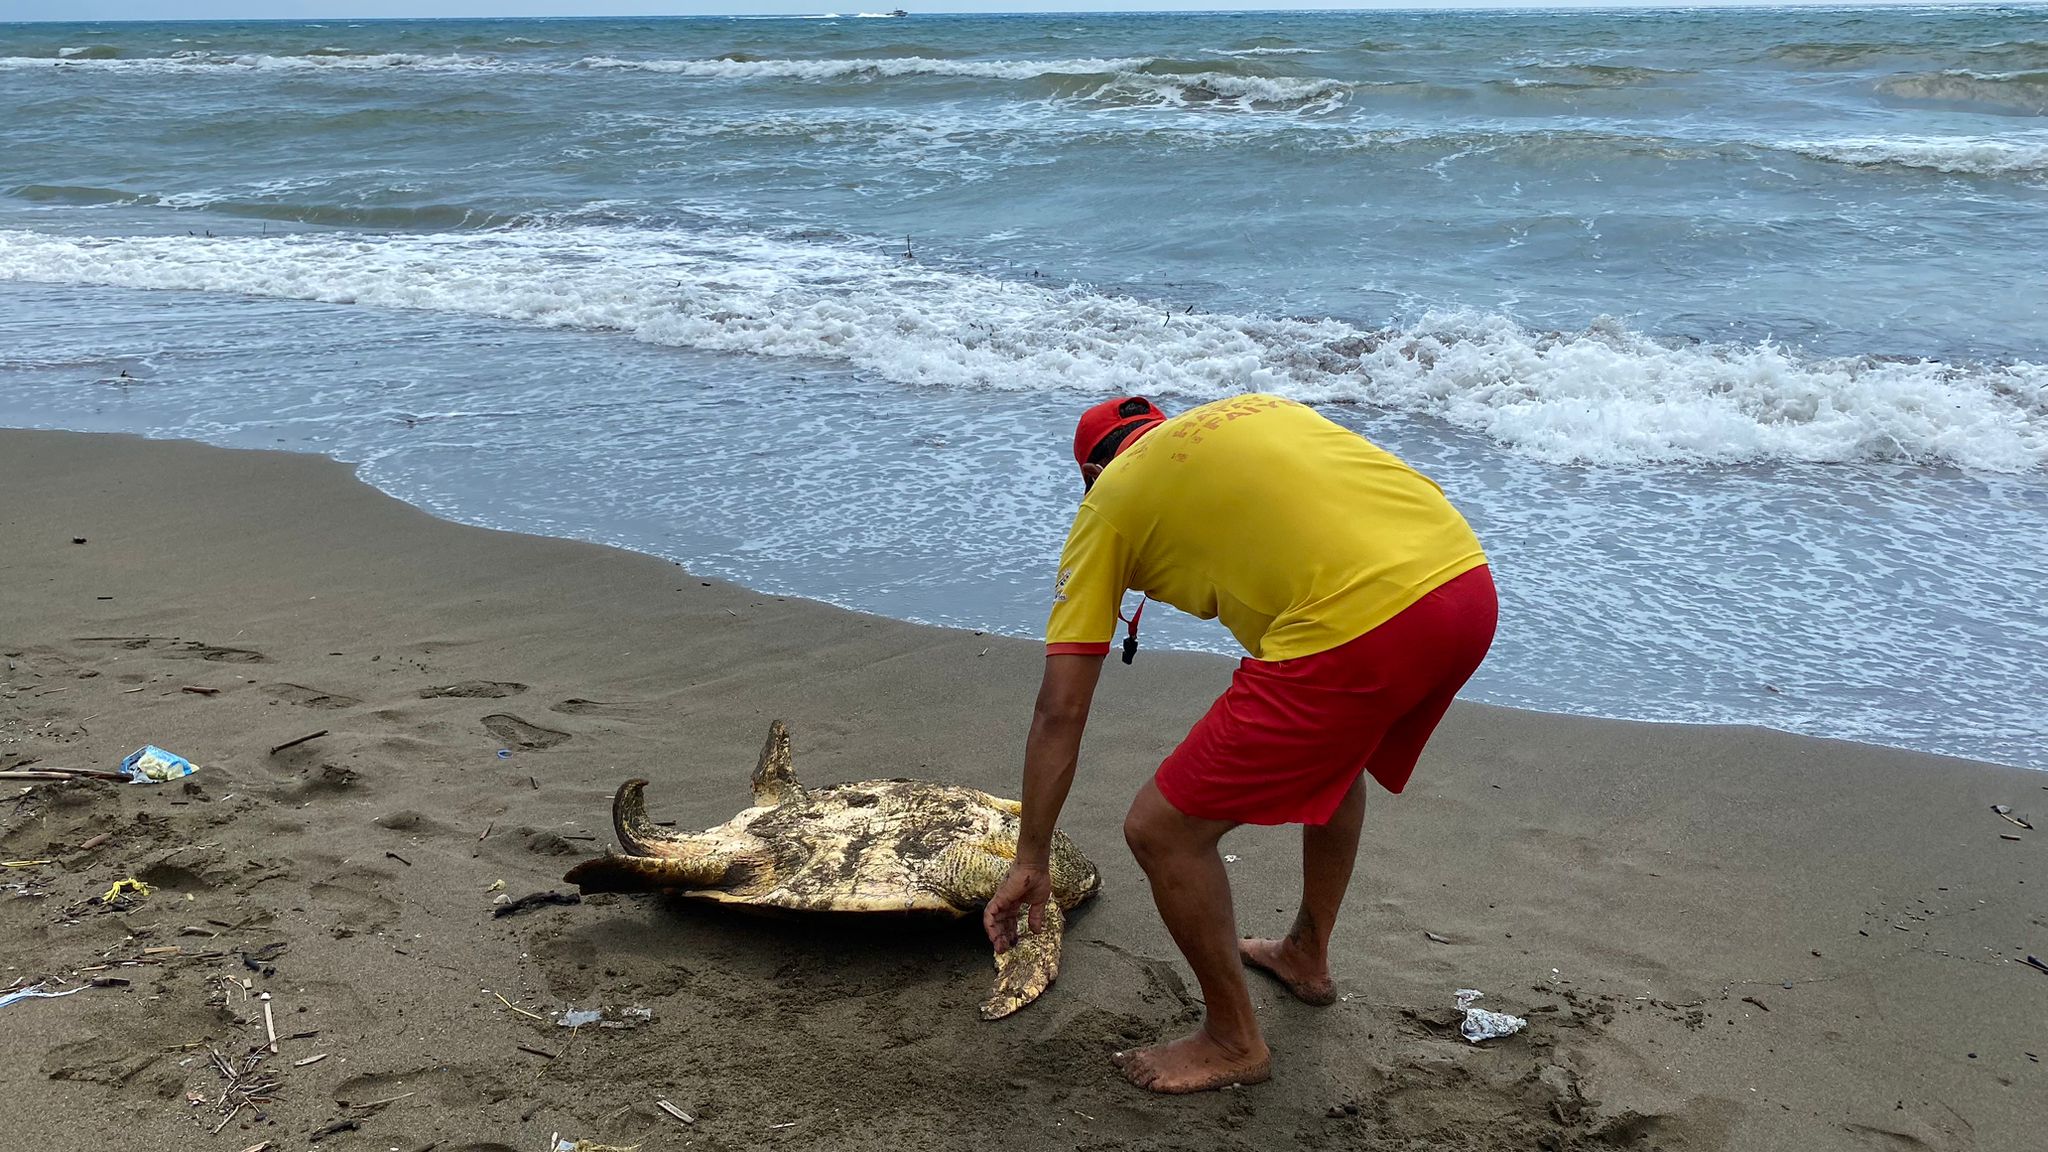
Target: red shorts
[1288,738]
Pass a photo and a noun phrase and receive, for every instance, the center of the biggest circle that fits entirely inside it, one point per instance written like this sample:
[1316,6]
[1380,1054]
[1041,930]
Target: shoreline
[838,604]
[1633,889]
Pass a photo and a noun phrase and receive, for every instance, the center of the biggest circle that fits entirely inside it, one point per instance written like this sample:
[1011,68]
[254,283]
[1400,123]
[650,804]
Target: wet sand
[1722,938]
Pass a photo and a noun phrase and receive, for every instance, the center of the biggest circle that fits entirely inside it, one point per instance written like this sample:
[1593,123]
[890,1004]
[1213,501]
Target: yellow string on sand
[518,1009]
[126,884]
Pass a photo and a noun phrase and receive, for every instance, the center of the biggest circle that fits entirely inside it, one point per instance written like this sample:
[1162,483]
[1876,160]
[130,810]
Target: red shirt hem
[1101,648]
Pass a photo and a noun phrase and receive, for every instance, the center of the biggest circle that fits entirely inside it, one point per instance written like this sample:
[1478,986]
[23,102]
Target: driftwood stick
[269,1025]
[59,774]
[674,1111]
[295,743]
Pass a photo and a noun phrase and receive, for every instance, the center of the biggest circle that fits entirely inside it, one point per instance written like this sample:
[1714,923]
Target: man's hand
[1049,756]
[1026,887]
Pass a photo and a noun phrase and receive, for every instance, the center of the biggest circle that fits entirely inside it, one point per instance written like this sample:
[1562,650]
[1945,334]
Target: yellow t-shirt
[1299,534]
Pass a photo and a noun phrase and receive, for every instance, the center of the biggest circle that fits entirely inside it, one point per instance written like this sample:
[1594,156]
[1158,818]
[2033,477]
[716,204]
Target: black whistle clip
[1130,649]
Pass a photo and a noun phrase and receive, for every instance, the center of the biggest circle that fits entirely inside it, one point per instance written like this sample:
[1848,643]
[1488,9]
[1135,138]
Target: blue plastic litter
[25,993]
[150,764]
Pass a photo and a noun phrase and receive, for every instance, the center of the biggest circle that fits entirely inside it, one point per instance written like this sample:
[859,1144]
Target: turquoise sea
[1726,328]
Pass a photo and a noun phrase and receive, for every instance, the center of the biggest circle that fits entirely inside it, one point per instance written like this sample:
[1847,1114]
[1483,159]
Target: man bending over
[1365,603]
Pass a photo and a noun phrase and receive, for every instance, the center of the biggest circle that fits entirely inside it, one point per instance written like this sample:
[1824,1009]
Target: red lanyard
[1131,636]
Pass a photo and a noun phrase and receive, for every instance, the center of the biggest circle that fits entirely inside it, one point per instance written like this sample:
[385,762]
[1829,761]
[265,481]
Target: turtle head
[775,773]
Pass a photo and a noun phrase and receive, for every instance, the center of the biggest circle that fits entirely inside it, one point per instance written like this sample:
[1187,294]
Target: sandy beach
[1721,938]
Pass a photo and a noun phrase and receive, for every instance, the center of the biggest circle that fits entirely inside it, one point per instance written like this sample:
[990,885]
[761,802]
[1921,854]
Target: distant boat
[899,12]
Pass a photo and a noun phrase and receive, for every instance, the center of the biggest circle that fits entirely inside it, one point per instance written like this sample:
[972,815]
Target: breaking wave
[1837,53]
[1263,51]
[741,68]
[1118,80]
[1204,89]
[1606,395]
[1967,155]
[276,200]
[1121,80]
[2022,93]
[333,60]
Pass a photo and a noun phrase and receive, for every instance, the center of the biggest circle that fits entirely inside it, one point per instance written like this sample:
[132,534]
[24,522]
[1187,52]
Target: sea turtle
[871,846]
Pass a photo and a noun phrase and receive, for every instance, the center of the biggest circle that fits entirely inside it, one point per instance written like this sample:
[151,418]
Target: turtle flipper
[613,873]
[775,773]
[1028,968]
[638,835]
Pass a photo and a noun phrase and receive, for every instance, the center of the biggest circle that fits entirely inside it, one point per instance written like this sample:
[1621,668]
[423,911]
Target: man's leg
[1178,854]
[1436,643]
[1301,959]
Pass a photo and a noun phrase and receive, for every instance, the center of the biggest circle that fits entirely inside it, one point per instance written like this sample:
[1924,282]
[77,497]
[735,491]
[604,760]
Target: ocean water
[1726,328]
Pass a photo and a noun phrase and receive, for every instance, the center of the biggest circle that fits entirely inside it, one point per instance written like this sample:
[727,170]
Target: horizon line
[1398,6]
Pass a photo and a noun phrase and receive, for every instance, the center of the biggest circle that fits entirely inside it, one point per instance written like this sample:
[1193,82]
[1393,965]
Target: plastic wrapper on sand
[38,990]
[606,1016]
[150,764]
[1483,1025]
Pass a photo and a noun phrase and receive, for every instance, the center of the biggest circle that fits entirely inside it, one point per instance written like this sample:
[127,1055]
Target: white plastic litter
[1483,1025]
[25,993]
[606,1016]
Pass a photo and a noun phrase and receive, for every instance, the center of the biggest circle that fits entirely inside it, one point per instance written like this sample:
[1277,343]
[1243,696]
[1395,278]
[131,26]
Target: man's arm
[1050,755]
[1053,749]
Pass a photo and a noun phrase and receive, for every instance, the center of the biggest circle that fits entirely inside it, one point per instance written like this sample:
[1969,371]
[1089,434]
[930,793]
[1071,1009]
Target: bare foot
[1194,1063]
[1281,959]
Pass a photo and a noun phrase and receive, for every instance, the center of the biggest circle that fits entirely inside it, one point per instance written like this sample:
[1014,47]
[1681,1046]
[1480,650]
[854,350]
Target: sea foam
[1968,155]
[316,61]
[830,69]
[1605,395]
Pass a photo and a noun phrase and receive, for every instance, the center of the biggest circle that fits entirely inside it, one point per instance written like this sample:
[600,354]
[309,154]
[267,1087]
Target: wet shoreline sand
[1722,937]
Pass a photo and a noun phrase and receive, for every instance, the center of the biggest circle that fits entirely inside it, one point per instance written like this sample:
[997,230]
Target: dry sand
[1722,938]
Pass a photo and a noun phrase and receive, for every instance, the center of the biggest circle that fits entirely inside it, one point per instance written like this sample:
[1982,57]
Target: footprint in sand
[576,706]
[451,1084]
[183,649]
[328,780]
[97,1060]
[474,690]
[542,842]
[219,655]
[355,897]
[178,878]
[514,731]
[309,697]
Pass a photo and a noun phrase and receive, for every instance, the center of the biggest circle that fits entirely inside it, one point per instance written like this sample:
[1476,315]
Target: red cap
[1099,422]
